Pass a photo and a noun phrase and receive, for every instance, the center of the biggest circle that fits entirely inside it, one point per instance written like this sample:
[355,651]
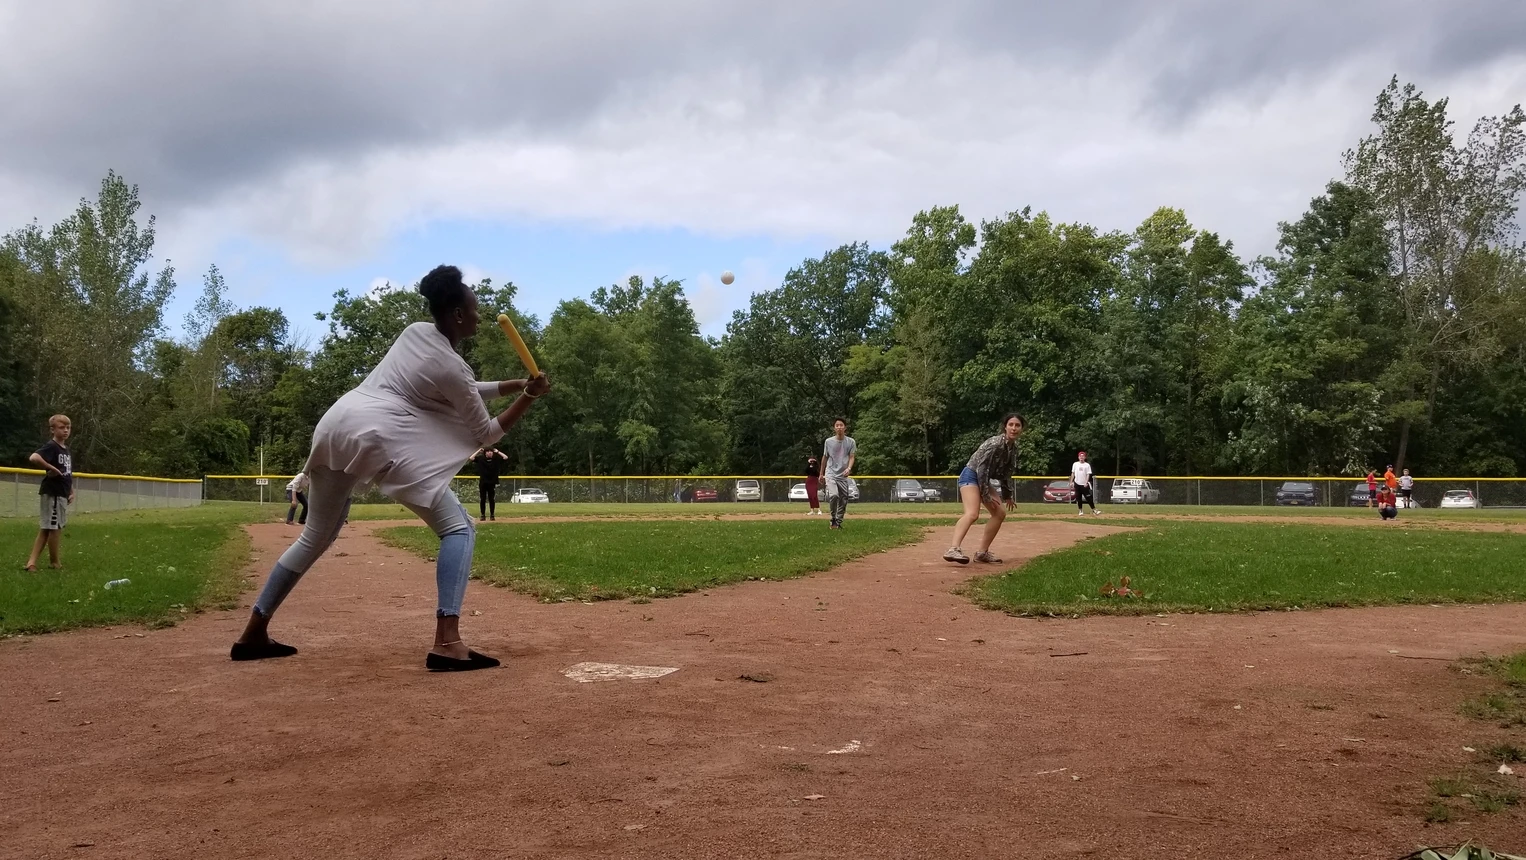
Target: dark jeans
[1388,512]
[1083,495]
[301,499]
[487,500]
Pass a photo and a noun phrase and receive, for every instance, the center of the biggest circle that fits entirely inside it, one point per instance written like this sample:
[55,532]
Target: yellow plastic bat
[519,344]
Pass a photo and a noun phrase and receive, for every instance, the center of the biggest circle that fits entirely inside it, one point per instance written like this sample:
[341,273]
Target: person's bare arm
[38,460]
[533,390]
[851,458]
[493,390]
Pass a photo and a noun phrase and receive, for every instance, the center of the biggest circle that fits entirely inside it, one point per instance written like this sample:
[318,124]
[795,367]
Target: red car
[1059,491]
[703,494]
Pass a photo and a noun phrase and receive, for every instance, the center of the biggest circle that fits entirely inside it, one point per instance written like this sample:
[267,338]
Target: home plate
[583,673]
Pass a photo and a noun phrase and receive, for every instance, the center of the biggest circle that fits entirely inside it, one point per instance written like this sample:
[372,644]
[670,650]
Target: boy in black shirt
[56,492]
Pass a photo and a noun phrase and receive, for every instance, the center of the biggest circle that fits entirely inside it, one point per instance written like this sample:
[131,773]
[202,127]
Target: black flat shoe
[251,651]
[440,663]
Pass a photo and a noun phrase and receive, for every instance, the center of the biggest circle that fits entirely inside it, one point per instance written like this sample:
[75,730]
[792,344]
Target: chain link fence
[1232,492]
[92,493]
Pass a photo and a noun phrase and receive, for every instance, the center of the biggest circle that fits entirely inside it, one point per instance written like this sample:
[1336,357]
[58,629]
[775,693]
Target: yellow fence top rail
[7,470]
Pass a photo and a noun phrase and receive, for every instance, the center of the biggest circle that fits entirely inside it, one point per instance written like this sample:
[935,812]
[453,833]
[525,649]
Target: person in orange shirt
[1389,480]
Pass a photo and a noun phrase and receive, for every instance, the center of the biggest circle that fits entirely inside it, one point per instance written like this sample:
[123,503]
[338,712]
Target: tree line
[1388,327]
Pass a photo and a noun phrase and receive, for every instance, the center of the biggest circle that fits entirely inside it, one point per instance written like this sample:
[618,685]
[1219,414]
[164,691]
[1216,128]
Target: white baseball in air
[727,277]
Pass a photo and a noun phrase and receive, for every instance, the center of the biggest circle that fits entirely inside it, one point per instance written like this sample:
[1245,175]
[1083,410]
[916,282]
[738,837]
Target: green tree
[1447,209]
[89,307]
[786,356]
[1311,347]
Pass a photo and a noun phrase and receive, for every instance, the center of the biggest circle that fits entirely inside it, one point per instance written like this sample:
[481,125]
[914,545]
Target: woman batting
[407,428]
[996,458]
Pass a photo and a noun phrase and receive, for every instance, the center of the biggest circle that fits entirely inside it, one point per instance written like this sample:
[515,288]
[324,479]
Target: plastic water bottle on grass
[115,583]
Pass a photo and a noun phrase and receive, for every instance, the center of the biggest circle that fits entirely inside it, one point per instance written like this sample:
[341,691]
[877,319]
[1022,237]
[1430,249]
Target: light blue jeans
[329,507]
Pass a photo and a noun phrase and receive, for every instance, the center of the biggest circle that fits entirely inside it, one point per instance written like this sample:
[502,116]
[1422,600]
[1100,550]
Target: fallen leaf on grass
[1507,770]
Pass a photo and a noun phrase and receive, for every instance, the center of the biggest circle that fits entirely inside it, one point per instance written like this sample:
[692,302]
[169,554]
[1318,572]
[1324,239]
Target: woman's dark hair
[444,289]
[1021,421]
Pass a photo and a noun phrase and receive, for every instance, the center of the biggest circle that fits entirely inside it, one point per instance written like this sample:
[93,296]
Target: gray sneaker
[987,558]
[956,555]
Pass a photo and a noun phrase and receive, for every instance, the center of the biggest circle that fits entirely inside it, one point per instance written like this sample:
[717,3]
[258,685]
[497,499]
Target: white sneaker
[1096,513]
[1080,513]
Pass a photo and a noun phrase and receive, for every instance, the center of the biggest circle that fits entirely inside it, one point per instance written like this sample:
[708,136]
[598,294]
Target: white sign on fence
[261,482]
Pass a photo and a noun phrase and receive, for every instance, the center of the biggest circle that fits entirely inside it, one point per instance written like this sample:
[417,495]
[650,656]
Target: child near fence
[56,493]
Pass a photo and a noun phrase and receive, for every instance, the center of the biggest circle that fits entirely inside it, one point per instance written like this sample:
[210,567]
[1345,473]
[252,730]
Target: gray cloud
[190,95]
[222,106]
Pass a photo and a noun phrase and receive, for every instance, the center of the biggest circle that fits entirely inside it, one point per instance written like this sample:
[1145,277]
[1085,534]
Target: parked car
[1359,496]
[932,494]
[1461,499]
[701,494]
[1134,491]
[1059,491]
[748,490]
[852,490]
[1297,493]
[797,493]
[529,496]
[908,490]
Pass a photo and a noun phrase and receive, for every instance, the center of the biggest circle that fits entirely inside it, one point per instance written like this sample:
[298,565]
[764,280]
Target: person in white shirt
[296,494]
[406,430]
[1081,485]
[837,457]
[1407,489]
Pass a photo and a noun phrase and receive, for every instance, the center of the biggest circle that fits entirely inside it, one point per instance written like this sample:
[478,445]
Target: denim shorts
[967,478]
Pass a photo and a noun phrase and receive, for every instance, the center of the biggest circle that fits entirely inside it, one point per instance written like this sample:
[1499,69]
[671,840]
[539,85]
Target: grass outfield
[1225,567]
[937,510]
[610,560]
[180,560]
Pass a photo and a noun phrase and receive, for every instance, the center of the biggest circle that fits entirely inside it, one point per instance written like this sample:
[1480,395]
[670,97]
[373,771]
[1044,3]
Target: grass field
[607,560]
[945,510]
[179,560]
[182,560]
[1210,566]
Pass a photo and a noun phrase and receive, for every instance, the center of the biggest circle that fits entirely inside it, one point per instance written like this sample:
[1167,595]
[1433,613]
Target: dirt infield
[888,718]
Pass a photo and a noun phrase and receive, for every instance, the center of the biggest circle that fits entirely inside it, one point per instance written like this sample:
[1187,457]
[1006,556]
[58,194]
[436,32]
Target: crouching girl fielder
[407,428]
[995,458]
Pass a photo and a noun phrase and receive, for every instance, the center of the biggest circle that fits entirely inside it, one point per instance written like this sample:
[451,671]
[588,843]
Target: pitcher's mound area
[867,712]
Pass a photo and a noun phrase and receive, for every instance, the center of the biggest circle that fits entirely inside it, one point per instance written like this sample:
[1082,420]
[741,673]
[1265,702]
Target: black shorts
[1406,494]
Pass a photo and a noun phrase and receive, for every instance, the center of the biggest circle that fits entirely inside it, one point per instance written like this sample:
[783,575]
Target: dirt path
[929,728]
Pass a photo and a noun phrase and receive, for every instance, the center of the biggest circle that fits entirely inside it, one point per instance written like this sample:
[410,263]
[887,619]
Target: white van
[748,490]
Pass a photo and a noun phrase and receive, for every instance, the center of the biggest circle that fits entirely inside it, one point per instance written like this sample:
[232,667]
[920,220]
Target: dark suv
[1297,493]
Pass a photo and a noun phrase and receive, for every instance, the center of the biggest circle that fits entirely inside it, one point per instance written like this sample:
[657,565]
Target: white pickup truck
[1134,491]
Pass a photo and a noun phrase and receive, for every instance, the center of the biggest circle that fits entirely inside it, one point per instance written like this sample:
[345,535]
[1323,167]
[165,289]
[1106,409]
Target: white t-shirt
[1406,483]
[410,425]
[1081,473]
[298,484]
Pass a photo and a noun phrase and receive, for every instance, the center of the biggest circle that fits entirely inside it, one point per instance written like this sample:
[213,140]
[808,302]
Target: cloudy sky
[310,146]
